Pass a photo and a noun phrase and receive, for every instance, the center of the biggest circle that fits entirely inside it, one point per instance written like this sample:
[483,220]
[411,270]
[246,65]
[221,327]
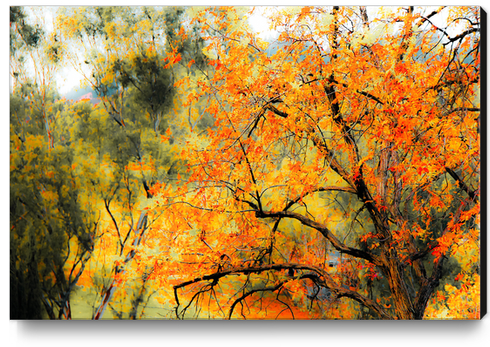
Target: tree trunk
[401,297]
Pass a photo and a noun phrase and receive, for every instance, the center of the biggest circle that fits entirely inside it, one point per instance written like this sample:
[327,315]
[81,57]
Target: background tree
[131,59]
[51,230]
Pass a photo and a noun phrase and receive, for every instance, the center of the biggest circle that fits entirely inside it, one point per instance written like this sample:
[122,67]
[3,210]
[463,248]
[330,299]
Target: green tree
[52,231]
[131,63]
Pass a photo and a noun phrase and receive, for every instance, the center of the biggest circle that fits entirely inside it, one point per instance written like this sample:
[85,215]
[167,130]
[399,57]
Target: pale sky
[69,78]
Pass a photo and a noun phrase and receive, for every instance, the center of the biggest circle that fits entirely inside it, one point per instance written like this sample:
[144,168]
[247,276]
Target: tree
[341,179]
[34,60]
[51,229]
[131,57]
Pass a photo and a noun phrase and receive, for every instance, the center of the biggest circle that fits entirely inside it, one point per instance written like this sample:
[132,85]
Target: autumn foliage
[339,178]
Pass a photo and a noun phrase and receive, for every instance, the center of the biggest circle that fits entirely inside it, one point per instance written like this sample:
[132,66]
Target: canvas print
[245,163]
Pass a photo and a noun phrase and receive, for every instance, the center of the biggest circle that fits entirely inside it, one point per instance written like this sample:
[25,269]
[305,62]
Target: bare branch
[316,274]
[462,35]
[458,109]
[339,245]
[471,193]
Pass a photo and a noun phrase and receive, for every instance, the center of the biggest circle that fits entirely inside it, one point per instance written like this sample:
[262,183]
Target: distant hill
[80,94]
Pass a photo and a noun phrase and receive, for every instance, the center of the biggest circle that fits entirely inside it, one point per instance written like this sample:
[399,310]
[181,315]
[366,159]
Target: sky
[69,79]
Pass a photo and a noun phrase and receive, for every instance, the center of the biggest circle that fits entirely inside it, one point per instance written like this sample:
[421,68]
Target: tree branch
[339,246]
[457,109]
[329,154]
[426,18]
[251,292]
[316,274]
[321,189]
[462,35]
[471,193]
